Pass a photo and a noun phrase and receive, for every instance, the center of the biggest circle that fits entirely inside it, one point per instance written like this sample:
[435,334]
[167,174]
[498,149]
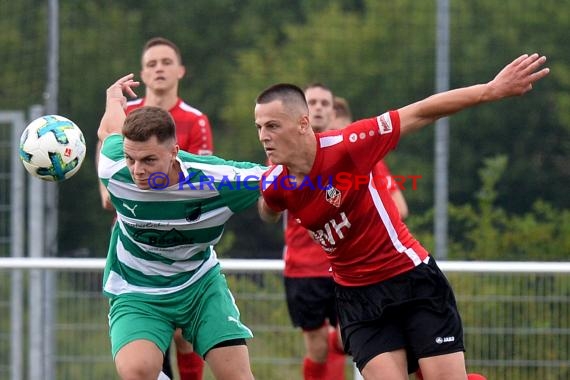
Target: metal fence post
[16,179]
[36,238]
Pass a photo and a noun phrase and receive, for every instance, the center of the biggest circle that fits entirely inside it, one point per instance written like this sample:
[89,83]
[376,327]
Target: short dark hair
[289,94]
[319,85]
[156,41]
[341,108]
[145,122]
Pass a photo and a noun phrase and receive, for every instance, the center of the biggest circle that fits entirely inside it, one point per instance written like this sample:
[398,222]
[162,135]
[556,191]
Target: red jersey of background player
[355,221]
[383,177]
[303,256]
[193,131]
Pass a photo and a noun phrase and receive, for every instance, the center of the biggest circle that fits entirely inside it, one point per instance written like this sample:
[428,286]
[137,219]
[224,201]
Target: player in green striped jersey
[162,271]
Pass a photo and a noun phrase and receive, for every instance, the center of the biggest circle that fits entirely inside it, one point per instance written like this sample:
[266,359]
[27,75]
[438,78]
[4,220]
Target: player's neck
[302,163]
[163,100]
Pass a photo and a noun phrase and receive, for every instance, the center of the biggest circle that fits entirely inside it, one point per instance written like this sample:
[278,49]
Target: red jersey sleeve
[369,140]
[273,195]
[199,139]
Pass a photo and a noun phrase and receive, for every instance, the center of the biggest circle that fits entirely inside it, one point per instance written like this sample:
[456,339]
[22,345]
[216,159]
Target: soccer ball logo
[52,148]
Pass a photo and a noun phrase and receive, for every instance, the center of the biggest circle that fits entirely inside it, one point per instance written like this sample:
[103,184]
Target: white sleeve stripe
[107,167]
[188,108]
[272,176]
[389,226]
[330,140]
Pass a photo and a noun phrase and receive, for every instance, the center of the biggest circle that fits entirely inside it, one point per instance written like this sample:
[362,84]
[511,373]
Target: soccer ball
[52,148]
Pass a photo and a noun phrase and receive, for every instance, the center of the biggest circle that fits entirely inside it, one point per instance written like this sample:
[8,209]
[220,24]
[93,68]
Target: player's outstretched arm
[265,213]
[401,204]
[514,79]
[103,193]
[114,116]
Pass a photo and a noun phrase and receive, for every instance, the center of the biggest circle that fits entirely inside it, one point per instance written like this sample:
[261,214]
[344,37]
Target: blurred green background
[509,161]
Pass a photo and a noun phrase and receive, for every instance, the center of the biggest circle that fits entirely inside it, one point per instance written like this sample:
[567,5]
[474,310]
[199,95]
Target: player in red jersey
[161,71]
[382,177]
[308,280]
[397,311]
[309,287]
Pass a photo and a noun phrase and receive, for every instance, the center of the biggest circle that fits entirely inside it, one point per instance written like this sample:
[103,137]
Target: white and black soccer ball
[52,148]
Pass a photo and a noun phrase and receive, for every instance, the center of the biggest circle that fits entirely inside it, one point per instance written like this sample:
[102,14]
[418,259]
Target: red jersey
[303,256]
[352,217]
[193,131]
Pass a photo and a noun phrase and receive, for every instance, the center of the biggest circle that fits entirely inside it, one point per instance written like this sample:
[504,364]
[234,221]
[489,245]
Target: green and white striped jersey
[162,241]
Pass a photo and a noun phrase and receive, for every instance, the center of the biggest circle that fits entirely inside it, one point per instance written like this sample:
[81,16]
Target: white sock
[162,376]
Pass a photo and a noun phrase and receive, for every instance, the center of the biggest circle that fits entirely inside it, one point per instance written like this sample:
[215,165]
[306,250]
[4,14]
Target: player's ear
[304,123]
[181,72]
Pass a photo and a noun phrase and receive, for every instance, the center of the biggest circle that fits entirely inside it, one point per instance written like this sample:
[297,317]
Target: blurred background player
[161,71]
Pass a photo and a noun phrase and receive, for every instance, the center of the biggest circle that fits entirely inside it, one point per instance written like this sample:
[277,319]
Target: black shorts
[311,301]
[415,310]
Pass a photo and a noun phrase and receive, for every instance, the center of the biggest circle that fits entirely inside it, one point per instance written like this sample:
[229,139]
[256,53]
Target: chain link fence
[516,318]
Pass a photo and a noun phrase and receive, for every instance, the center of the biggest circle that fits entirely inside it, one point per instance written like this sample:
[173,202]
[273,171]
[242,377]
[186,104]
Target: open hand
[518,76]
[122,86]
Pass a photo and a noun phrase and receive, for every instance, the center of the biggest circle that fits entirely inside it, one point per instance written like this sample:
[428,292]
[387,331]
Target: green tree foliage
[378,54]
[101,43]
[489,232]
[22,74]
[531,131]
[354,53]
[382,58]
